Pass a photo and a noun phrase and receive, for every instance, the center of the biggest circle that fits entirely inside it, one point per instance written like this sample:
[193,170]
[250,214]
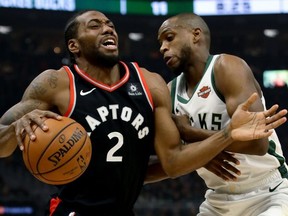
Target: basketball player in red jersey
[127,111]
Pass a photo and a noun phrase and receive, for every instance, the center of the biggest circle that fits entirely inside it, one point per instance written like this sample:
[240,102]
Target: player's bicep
[35,97]
[235,81]
[167,137]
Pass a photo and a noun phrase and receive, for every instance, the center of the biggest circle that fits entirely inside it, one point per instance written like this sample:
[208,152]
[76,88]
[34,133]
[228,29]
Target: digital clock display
[239,7]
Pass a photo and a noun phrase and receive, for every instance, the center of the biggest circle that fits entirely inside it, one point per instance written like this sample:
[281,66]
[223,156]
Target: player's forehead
[89,16]
[171,24]
[168,24]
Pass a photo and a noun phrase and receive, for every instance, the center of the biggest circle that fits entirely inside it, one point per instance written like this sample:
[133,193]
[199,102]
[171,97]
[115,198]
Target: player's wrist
[227,132]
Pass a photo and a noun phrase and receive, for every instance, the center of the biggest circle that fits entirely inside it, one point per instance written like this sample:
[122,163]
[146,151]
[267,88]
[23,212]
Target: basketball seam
[26,156]
[28,146]
[35,169]
[44,150]
[74,177]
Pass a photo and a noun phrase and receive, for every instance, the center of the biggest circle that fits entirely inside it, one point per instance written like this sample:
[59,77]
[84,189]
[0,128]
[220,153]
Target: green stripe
[215,87]
[272,151]
[172,93]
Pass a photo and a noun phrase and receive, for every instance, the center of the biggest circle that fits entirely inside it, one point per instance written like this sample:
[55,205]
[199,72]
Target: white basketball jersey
[207,110]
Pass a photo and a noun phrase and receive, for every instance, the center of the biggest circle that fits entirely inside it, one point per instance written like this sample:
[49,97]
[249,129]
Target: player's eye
[169,37]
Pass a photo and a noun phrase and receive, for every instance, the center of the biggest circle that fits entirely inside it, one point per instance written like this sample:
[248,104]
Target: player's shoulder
[51,79]
[153,78]
[157,86]
[50,71]
[50,74]
[225,60]
[227,63]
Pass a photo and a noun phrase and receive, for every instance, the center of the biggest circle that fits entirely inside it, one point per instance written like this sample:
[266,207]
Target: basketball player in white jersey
[207,89]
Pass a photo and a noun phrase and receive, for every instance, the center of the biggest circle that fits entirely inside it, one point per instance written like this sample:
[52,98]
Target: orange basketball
[59,155]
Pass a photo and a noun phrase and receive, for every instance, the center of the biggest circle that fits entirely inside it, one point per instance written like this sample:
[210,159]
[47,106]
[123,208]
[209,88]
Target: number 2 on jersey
[110,155]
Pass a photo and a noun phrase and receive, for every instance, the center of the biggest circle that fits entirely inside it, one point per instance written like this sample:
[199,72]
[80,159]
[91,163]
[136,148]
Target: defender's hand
[247,125]
[223,166]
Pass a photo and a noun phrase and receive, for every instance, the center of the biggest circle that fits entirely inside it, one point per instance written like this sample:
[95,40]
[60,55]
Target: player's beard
[185,55]
[99,58]
[106,60]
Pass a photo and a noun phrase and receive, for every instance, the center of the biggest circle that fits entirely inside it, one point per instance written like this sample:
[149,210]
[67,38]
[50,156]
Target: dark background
[29,49]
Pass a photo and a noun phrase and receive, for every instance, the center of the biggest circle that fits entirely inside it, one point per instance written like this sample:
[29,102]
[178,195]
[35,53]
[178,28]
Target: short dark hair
[71,31]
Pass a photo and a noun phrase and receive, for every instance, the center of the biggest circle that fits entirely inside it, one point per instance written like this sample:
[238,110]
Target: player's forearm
[155,173]
[8,141]
[189,133]
[192,134]
[255,147]
[190,157]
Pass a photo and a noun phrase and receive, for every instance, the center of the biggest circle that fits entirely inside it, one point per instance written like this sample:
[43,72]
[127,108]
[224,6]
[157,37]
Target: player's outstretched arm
[247,125]
[178,159]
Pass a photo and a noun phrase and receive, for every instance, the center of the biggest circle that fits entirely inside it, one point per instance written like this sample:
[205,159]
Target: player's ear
[196,33]
[73,46]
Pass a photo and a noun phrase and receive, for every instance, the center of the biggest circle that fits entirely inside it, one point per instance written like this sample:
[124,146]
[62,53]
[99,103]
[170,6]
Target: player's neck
[106,75]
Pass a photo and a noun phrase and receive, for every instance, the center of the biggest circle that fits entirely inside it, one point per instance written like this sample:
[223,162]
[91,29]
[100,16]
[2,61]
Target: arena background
[31,40]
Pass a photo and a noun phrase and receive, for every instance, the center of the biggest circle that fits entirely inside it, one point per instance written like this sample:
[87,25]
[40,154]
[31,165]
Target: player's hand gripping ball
[59,155]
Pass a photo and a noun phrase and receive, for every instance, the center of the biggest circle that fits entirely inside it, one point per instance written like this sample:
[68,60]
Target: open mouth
[110,43]
[167,59]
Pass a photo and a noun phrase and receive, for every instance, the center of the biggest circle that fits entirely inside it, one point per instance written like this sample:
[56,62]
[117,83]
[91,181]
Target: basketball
[59,155]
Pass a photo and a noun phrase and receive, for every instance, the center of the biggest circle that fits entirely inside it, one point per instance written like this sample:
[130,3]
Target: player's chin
[174,66]
[176,70]
[112,55]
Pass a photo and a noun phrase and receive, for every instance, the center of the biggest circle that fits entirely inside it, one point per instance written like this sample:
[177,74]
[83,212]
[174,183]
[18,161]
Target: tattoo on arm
[18,113]
[34,97]
[52,80]
[37,90]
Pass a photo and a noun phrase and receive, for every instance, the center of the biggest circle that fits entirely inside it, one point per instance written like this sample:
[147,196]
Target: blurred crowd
[24,54]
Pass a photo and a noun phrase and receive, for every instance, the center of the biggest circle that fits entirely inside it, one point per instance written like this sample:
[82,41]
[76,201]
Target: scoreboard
[240,7]
[156,7]
[144,7]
